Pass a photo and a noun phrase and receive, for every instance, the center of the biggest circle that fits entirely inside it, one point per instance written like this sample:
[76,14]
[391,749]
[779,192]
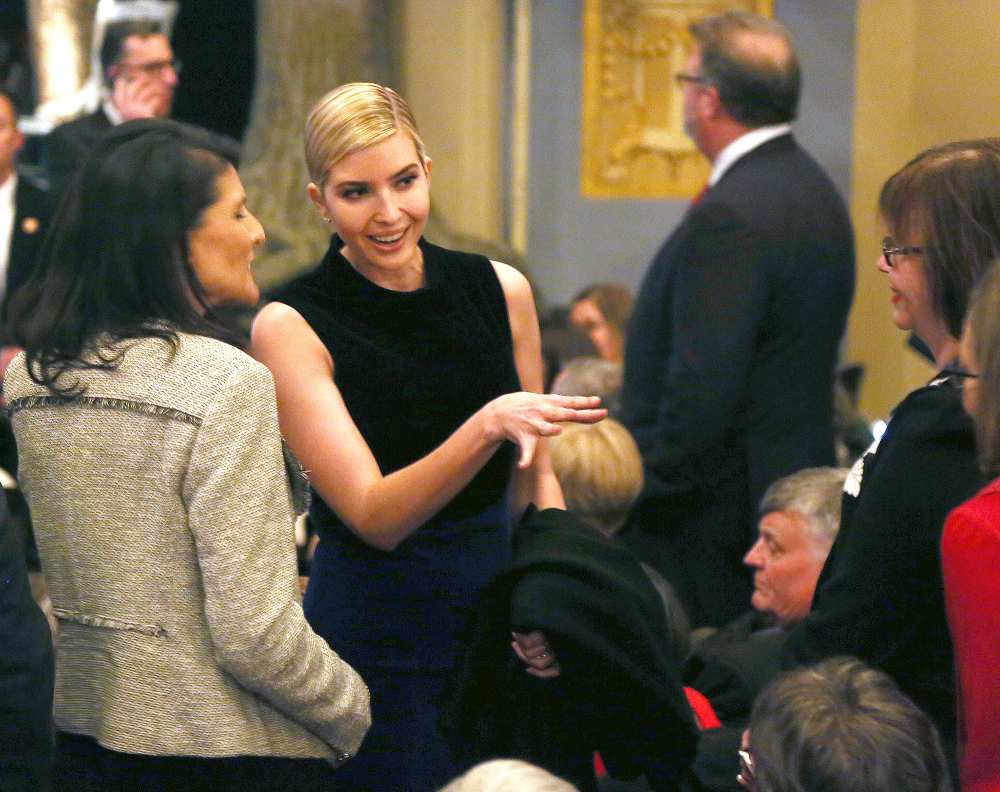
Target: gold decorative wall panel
[633,141]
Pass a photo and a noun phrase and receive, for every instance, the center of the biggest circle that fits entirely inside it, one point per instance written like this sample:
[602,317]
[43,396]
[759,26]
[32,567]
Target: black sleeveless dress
[412,367]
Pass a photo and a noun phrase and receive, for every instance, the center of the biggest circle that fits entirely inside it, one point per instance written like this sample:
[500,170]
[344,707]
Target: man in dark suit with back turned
[734,337]
[140,76]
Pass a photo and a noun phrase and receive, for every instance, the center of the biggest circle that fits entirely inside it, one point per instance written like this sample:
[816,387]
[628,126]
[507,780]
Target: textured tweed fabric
[163,515]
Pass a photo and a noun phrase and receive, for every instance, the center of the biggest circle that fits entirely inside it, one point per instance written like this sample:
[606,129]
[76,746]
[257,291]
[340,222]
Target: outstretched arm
[384,510]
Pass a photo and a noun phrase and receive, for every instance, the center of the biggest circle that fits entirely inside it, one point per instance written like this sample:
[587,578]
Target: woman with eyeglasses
[880,595]
[840,727]
[970,553]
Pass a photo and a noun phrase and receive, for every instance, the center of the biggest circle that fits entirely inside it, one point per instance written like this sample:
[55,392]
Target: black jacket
[618,692]
[880,596]
[32,217]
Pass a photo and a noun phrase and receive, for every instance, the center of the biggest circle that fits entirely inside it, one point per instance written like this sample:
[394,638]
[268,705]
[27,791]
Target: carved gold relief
[633,141]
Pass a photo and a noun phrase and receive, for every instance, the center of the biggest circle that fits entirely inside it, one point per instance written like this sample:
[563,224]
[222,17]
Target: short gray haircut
[815,493]
[508,775]
[844,727]
[591,376]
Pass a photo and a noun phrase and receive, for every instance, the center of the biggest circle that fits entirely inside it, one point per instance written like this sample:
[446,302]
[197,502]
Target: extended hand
[524,417]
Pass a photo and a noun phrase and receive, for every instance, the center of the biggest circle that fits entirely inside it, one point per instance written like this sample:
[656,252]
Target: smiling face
[378,200]
[787,559]
[221,248]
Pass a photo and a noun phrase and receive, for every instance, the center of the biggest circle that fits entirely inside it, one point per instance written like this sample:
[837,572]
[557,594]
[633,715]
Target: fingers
[534,651]
[575,402]
[528,444]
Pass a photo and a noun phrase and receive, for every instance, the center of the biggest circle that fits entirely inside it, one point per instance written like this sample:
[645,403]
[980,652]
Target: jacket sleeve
[240,513]
[970,557]
[718,303]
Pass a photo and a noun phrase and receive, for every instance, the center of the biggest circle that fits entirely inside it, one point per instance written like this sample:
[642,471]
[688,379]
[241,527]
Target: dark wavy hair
[947,200]
[755,87]
[114,265]
[841,726]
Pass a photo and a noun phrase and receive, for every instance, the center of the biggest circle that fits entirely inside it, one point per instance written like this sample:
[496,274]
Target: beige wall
[926,74]
[452,75]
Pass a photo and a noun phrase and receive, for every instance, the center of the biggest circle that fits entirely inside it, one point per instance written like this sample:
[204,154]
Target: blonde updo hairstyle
[600,471]
[352,117]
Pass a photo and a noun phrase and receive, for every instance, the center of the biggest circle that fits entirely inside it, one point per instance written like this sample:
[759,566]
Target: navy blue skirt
[397,618]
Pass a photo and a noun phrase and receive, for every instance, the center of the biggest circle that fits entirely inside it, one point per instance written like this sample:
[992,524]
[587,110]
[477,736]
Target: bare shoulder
[278,329]
[517,293]
[513,282]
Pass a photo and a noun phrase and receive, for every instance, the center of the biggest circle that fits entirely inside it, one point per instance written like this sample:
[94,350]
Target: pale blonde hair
[353,117]
[600,470]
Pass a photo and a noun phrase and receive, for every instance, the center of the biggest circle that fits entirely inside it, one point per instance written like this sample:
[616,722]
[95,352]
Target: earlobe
[316,196]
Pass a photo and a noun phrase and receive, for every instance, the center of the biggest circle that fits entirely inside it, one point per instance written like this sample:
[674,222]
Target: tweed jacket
[163,515]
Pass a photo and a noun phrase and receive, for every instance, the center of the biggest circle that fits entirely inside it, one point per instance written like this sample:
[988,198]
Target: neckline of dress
[337,262]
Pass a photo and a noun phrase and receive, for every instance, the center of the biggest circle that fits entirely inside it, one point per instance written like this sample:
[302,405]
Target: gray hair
[591,376]
[758,85]
[508,775]
[843,727]
[815,493]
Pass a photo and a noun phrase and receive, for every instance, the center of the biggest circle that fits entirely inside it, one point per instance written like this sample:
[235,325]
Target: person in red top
[970,553]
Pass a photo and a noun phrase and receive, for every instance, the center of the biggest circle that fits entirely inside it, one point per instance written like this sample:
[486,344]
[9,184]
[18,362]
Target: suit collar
[745,145]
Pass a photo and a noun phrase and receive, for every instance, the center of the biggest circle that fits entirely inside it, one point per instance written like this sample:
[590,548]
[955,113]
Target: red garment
[970,557]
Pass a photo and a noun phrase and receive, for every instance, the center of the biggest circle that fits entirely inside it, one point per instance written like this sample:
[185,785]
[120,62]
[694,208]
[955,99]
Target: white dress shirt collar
[8,214]
[742,146]
[111,111]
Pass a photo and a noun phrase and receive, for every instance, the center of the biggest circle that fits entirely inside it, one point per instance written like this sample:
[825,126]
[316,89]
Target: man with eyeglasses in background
[734,336]
[140,76]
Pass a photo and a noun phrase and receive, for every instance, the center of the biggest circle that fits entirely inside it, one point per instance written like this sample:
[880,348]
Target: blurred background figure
[508,775]
[970,552]
[591,376]
[601,313]
[138,77]
[25,211]
[840,727]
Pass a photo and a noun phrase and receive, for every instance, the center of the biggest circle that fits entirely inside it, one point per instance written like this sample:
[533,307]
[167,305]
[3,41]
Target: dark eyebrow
[396,175]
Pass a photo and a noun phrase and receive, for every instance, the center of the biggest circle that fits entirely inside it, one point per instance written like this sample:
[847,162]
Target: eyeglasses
[957,375]
[890,249]
[155,68]
[745,776]
[683,77]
